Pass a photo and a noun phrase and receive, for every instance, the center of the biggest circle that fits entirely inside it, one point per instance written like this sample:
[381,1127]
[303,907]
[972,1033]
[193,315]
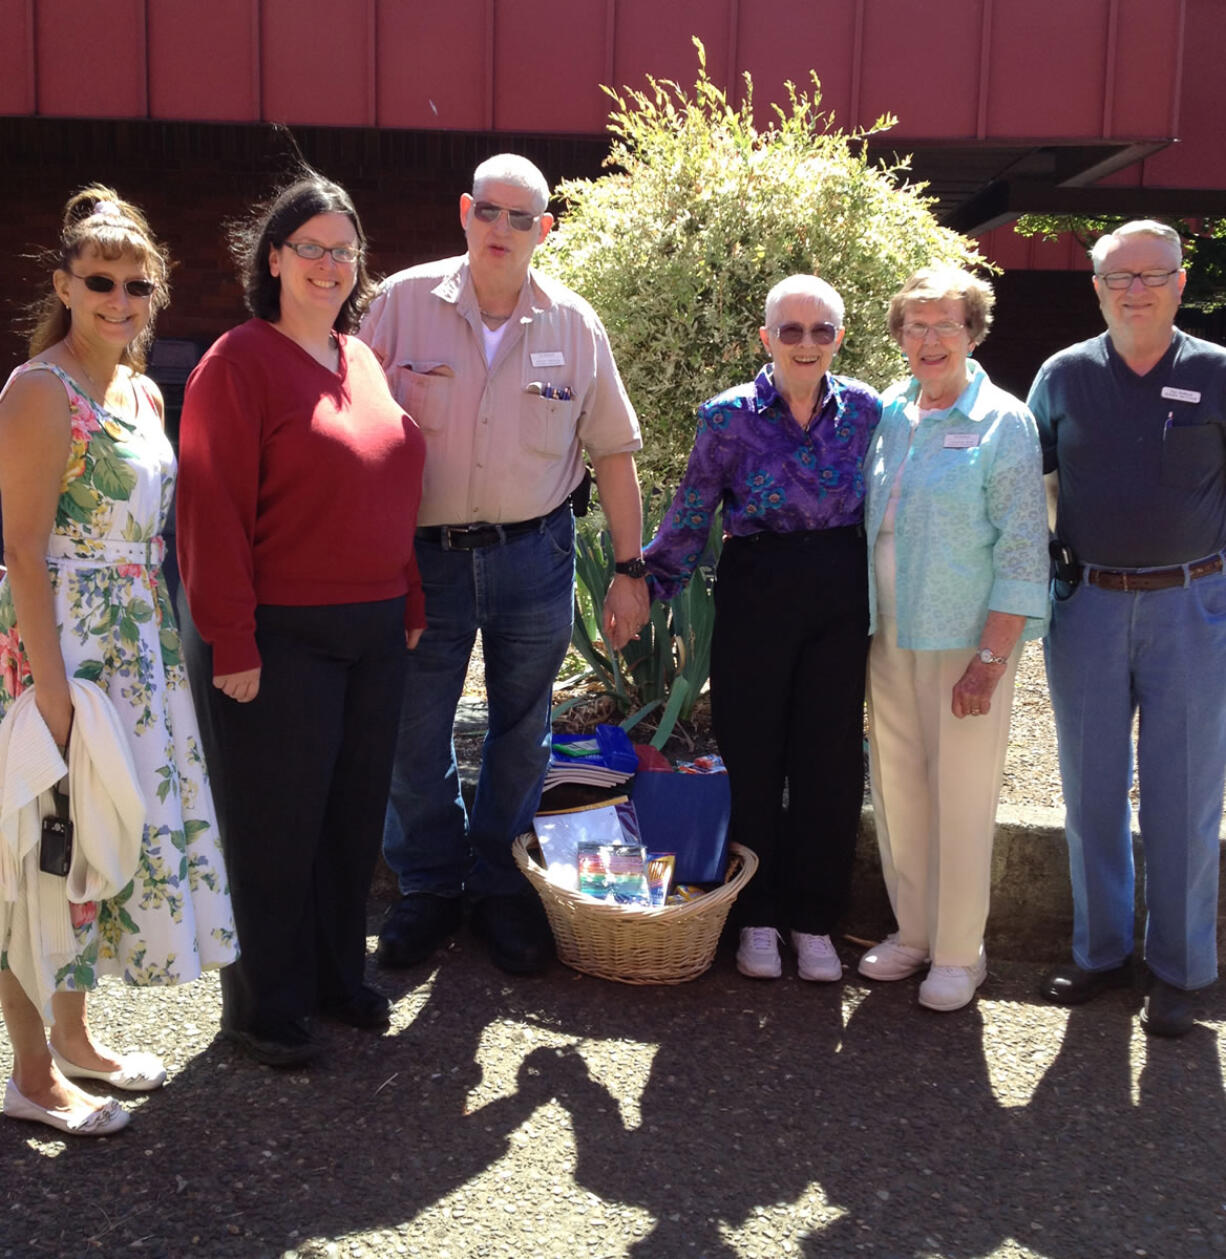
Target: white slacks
[935,784]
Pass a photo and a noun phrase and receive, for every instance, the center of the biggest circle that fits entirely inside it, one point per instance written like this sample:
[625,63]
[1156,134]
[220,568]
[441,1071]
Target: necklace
[99,394]
[485,314]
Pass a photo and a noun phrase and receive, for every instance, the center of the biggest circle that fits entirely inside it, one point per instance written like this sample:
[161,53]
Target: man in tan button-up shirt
[510,376]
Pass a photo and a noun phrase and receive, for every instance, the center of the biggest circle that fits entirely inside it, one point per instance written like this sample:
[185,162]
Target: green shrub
[701,213]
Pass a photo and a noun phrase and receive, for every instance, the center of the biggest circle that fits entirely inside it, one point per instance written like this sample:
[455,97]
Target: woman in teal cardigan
[957,545]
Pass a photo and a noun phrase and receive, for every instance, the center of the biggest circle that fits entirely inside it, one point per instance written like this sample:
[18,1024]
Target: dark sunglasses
[520,220]
[104,284]
[794,333]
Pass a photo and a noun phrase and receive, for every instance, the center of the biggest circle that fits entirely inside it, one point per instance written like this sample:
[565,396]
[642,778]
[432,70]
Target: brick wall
[191,178]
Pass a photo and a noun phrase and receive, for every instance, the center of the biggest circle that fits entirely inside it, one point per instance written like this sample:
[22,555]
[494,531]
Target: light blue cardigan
[971,527]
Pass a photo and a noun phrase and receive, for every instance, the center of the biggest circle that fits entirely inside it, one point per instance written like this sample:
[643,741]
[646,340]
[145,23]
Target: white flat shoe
[138,1072]
[108,1118]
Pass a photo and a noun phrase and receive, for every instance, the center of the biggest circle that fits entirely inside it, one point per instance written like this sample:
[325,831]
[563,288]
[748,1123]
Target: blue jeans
[1110,653]
[520,595]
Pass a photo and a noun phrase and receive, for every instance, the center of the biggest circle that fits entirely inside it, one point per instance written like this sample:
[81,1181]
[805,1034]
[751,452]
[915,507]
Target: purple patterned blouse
[769,473]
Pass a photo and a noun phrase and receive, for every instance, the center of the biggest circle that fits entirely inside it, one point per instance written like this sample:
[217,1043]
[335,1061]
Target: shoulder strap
[34,365]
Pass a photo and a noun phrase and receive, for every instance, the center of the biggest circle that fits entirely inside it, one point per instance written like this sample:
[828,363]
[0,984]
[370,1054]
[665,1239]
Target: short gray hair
[1138,227]
[804,285]
[510,168]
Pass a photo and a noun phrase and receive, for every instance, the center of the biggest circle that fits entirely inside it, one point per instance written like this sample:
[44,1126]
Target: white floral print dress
[117,629]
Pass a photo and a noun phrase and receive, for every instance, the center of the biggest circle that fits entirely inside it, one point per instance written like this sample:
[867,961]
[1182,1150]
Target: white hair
[805,286]
[510,168]
[1138,227]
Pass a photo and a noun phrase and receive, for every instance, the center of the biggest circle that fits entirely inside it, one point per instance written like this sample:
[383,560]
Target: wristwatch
[636,567]
[986,656]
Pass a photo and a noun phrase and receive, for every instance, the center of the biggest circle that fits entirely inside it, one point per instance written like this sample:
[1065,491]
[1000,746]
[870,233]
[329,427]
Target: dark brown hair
[273,223]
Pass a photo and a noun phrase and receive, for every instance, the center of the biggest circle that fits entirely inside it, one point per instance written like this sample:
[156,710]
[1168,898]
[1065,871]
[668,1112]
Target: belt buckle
[454,536]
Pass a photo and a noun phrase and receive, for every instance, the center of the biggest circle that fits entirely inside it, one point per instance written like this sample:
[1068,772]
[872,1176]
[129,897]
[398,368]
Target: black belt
[1153,578]
[798,537]
[470,537]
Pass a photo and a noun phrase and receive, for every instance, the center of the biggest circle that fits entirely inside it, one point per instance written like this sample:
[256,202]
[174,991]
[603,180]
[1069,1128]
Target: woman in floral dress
[86,478]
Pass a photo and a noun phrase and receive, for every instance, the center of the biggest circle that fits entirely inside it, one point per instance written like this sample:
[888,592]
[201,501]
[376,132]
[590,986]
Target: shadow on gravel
[841,1116]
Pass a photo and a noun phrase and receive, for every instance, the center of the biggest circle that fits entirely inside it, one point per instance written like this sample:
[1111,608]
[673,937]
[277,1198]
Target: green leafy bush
[677,246]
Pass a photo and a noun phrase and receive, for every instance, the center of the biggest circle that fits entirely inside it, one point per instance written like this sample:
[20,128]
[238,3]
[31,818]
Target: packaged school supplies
[660,866]
[614,873]
[701,765]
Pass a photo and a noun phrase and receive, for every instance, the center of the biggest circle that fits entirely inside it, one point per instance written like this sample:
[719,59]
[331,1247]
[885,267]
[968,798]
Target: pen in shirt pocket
[547,389]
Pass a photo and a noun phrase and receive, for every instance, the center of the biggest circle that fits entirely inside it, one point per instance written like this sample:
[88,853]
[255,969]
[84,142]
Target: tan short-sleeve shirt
[497,449]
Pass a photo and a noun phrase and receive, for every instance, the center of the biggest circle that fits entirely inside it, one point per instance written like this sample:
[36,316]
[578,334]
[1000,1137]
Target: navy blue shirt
[1142,459]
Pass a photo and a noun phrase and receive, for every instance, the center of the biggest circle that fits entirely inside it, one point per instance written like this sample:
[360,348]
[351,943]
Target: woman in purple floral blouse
[783,456]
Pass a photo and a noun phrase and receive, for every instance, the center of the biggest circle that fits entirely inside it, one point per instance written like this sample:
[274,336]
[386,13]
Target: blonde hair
[935,284]
[98,218]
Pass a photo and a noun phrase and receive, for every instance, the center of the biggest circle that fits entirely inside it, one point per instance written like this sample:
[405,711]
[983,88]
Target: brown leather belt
[1152,578]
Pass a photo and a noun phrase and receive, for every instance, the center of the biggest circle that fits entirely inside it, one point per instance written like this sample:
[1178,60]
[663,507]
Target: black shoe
[415,926]
[289,1044]
[1070,985]
[366,1009]
[515,931]
[1167,1010]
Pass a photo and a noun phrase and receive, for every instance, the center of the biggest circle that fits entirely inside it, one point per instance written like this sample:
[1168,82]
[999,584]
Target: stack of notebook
[603,759]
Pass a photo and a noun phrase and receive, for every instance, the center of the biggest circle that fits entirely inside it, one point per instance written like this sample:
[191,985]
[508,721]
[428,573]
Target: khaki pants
[935,783]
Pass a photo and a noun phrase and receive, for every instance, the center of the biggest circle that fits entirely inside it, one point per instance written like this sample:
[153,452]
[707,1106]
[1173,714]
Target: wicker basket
[631,944]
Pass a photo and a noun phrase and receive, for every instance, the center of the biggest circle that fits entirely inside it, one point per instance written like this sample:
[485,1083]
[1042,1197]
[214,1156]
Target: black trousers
[787,700]
[301,778]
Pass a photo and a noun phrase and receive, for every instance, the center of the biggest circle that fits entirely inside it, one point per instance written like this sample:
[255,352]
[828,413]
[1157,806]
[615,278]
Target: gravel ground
[565,1116]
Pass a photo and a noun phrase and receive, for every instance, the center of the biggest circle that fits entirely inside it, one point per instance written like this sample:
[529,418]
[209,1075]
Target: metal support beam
[1002,201]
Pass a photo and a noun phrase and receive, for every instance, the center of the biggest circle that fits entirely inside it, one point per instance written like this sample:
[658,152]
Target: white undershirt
[493,339]
[885,558]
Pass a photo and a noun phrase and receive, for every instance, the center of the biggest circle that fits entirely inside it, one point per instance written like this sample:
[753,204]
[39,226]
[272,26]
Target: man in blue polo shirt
[1132,425]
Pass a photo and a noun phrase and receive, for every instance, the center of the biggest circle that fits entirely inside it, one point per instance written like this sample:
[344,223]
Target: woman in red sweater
[298,492]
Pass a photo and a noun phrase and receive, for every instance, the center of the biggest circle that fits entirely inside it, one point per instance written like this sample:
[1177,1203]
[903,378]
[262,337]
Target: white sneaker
[952,987]
[758,954]
[891,960]
[816,958]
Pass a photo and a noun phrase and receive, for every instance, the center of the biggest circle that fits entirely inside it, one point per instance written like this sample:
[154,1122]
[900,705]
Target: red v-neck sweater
[297,485]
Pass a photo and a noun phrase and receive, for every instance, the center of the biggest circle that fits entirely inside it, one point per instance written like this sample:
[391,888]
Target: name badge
[961,441]
[1180,395]
[548,358]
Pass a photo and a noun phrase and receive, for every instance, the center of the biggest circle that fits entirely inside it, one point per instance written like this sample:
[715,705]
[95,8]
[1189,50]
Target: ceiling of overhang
[978,187]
